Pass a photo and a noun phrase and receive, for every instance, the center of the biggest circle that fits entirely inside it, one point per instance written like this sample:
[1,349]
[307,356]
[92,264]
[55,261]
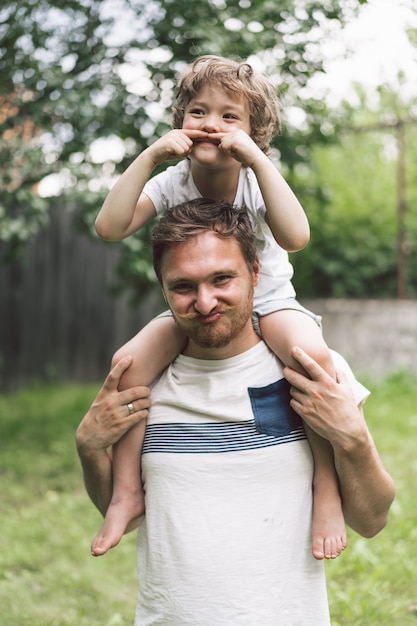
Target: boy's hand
[175,144]
[238,145]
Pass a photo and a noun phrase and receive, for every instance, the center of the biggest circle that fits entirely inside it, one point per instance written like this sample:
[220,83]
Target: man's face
[209,289]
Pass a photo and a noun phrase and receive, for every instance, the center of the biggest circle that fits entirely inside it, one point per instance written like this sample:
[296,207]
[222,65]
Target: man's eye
[224,278]
[181,288]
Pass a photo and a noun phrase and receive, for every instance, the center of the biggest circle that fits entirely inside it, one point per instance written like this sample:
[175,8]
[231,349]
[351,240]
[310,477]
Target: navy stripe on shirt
[212,437]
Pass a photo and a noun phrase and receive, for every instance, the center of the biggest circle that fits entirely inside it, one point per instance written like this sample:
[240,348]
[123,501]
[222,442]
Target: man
[226,465]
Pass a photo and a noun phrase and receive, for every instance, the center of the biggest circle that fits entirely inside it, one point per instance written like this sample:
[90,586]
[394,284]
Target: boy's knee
[322,355]
[118,355]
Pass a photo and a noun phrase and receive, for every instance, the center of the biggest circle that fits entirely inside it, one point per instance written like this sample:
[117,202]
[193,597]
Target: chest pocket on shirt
[271,409]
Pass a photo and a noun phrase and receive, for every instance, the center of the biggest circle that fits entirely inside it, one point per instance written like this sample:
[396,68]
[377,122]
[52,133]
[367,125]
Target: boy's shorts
[284,304]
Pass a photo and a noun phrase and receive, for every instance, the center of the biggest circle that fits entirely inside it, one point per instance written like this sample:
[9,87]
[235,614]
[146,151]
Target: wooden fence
[58,320]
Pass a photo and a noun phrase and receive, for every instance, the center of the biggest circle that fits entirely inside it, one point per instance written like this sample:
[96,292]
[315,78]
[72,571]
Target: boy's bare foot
[329,531]
[120,514]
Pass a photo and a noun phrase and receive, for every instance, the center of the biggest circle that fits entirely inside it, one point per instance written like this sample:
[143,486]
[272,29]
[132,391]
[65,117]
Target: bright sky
[378,49]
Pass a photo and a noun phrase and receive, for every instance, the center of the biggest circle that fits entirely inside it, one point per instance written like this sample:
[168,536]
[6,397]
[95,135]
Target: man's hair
[184,221]
[239,78]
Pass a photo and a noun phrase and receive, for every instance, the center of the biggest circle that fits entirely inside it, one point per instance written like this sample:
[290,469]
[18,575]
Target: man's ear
[255,271]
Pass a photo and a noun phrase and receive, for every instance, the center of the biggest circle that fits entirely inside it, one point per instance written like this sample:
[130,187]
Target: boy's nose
[211,124]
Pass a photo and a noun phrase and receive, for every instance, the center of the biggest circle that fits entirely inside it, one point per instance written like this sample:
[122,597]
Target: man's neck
[237,346]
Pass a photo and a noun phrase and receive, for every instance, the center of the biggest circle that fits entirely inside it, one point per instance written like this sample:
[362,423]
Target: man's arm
[329,408]
[106,421]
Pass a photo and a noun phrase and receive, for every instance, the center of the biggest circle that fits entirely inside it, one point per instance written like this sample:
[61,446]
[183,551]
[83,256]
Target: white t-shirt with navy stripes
[227,470]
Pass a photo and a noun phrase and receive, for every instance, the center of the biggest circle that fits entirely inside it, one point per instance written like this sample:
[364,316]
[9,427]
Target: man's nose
[205,301]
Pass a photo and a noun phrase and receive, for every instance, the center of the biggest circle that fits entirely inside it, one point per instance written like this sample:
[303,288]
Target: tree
[362,203]
[77,71]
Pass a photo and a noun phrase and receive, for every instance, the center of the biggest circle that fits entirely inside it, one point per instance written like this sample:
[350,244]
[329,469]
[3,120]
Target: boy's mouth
[213,142]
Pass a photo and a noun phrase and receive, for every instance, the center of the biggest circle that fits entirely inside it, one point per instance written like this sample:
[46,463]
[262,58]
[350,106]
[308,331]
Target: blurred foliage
[351,193]
[75,72]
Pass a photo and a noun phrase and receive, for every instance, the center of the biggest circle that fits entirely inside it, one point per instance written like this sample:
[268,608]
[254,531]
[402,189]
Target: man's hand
[106,421]
[327,405]
[109,417]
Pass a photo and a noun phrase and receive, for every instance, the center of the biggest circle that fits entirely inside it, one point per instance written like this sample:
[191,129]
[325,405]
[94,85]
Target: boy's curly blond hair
[237,77]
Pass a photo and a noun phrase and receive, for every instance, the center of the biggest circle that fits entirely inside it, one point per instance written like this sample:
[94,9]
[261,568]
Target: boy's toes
[318,547]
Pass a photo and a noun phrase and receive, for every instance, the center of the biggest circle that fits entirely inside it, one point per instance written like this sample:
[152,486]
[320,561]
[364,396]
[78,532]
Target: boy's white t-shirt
[176,185]
[227,471]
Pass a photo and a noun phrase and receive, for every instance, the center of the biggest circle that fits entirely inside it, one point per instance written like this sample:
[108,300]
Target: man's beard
[220,333]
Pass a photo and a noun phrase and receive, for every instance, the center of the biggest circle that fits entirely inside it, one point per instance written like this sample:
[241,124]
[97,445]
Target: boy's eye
[196,112]
[230,116]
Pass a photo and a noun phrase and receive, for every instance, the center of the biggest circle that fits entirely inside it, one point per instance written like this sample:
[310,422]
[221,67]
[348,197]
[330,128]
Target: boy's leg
[328,525]
[287,328]
[128,501]
[152,349]
[282,331]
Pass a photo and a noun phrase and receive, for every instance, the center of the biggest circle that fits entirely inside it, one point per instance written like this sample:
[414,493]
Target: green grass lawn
[48,578]
[375,580]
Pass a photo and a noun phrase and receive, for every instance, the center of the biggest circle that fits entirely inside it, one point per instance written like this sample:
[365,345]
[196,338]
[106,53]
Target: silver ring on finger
[130,408]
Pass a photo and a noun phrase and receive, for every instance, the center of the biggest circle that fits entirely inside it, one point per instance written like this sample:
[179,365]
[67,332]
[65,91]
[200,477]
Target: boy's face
[217,111]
